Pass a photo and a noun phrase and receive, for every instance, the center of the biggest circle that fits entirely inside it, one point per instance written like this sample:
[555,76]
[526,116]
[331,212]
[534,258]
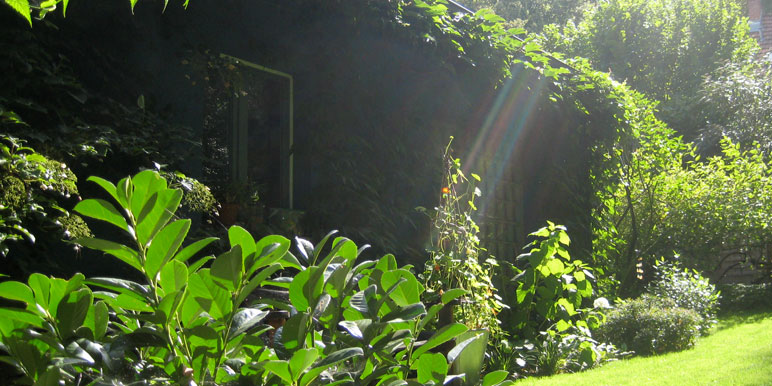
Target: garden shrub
[456,258]
[33,193]
[649,326]
[745,297]
[687,289]
[188,320]
[549,318]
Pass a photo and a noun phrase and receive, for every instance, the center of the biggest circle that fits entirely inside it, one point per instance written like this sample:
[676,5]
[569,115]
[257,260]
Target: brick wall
[760,20]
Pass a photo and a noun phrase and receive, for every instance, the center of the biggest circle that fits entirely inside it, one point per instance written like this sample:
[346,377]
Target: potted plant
[239,198]
[455,262]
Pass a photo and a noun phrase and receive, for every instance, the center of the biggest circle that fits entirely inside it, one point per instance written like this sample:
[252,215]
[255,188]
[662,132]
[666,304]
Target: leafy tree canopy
[662,48]
[534,14]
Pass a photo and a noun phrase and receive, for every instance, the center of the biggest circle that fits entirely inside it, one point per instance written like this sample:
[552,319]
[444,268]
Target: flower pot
[470,361]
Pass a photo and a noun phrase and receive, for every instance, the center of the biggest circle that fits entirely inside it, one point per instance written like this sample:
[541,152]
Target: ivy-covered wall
[374,105]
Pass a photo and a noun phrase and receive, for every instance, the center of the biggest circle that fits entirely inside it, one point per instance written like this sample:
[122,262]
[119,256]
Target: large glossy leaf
[257,281]
[241,237]
[352,327]
[306,250]
[50,377]
[165,206]
[211,297]
[28,356]
[360,301]
[459,348]
[431,367]
[198,264]
[139,291]
[407,292]
[22,7]
[443,335]
[96,319]
[107,186]
[123,190]
[453,294]
[271,249]
[294,331]
[335,280]
[347,250]
[174,276]
[145,184]
[494,377]
[164,245]
[300,361]
[190,250]
[128,302]
[319,246]
[406,313]
[15,290]
[303,291]
[41,286]
[167,307]
[245,319]
[227,269]
[58,290]
[338,357]
[25,317]
[280,369]
[102,210]
[72,311]
[122,252]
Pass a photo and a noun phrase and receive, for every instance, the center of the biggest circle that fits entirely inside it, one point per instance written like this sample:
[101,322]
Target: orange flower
[445,190]
[436,267]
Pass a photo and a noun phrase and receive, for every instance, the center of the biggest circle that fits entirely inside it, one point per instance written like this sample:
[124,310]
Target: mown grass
[738,352]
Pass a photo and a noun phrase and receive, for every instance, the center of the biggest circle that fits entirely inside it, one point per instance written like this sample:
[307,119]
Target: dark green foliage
[33,193]
[548,322]
[534,14]
[649,326]
[735,104]
[687,289]
[662,48]
[455,259]
[183,322]
[196,198]
[44,101]
[38,9]
[745,297]
[549,289]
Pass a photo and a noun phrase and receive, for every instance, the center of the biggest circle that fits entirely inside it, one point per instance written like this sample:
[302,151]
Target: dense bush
[33,191]
[745,297]
[662,48]
[650,326]
[184,323]
[687,289]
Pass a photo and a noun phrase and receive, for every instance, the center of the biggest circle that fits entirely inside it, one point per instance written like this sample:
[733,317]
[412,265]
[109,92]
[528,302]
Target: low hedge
[745,297]
[649,326]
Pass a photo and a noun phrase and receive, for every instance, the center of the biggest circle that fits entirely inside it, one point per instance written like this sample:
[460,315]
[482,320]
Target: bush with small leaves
[649,326]
[688,289]
[745,297]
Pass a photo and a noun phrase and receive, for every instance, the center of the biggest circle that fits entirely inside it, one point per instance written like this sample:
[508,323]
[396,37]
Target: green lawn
[738,352]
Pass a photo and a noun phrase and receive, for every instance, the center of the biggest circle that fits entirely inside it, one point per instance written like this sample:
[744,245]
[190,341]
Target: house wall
[373,112]
[760,20]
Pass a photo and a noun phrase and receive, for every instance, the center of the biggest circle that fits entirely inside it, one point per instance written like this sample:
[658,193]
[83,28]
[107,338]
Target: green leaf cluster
[192,320]
[41,8]
[662,48]
[456,258]
[551,287]
[33,193]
